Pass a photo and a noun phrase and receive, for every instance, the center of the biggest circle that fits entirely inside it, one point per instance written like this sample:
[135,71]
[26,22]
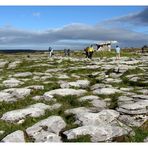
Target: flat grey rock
[36,87]
[140,107]
[98,119]
[47,130]
[17,136]
[140,97]
[97,133]
[65,92]
[18,93]
[51,137]
[78,110]
[144,91]
[111,80]
[89,98]
[106,91]
[23,74]
[63,76]
[35,110]
[12,83]
[135,121]
[78,84]
[99,86]
[3,64]
[99,104]
[13,65]
[125,100]
[123,68]
[6,97]
[21,92]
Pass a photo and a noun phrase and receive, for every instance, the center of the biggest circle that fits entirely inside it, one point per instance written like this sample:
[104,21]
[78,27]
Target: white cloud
[74,35]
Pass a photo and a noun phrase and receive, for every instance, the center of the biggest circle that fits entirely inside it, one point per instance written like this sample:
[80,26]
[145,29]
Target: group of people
[66,52]
[51,53]
[88,52]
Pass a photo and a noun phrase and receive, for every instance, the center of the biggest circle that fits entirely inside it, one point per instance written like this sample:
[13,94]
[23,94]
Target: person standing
[86,52]
[50,51]
[68,52]
[90,52]
[65,52]
[118,52]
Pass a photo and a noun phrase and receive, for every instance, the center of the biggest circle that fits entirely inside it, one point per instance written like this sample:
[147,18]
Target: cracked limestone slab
[140,107]
[98,119]
[12,82]
[17,136]
[65,92]
[35,110]
[23,74]
[106,91]
[47,130]
[97,133]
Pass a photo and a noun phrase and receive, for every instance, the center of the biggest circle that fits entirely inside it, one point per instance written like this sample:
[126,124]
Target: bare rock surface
[97,133]
[23,74]
[47,130]
[6,97]
[17,136]
[106,91]
[140,107]
[36,110]
[136,120]
[77,110]
[13,65]
[90,98]
[12,83]
[3,64]
[65,92]
[98,119]
[17,93]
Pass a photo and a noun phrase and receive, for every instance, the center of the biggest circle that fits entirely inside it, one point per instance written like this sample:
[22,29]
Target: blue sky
[71,26]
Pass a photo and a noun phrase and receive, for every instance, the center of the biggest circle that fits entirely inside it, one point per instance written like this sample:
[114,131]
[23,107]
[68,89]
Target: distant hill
[20,50]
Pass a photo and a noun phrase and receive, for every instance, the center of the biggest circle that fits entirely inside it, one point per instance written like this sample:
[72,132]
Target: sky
[75,27]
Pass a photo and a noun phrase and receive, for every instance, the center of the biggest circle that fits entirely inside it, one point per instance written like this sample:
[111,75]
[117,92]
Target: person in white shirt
[118,53]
